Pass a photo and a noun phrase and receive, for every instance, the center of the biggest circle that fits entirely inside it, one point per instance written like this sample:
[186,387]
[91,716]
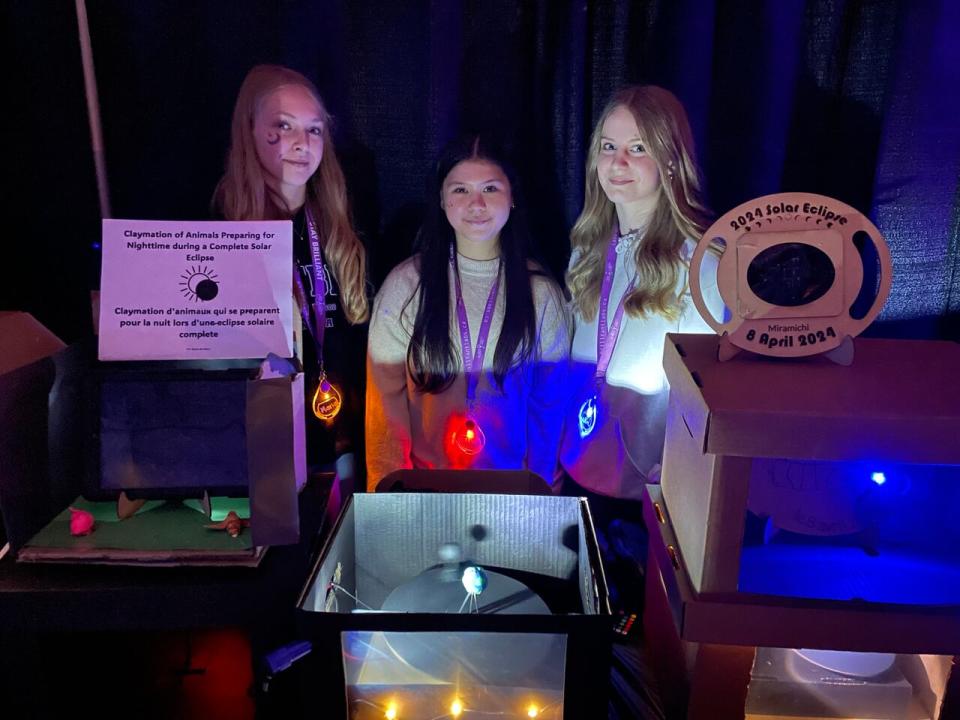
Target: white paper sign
[175,290]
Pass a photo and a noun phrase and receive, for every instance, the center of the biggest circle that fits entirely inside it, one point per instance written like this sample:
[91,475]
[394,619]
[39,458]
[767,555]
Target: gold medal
[326,400]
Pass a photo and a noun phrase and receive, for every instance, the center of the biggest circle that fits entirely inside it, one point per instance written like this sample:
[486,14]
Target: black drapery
[859,100]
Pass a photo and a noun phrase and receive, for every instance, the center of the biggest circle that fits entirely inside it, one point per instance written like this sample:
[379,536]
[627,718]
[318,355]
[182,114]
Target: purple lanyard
[473,363]
[315,318]
[607,338]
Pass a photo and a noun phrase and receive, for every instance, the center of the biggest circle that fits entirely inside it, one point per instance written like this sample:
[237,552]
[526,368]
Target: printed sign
[790,272]
[173,290]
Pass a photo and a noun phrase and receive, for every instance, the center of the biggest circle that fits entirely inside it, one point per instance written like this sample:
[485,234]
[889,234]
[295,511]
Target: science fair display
[191,415]
[802,539]
[447,605]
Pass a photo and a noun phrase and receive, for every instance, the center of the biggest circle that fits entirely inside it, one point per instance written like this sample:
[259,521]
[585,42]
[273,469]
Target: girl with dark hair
[282,165]
[453,379]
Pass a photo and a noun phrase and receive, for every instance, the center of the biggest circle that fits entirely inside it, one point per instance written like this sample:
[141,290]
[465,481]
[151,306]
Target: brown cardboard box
[899,402]
[51,439]
[702,646]
[27,373]
[25,341]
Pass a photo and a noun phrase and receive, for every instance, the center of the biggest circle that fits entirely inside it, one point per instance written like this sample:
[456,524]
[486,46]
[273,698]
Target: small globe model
[474,580]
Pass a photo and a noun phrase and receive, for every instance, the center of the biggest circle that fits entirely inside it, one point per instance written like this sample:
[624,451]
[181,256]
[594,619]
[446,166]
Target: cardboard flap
[272,460]
[502,482]
[685,392]
[26,497]
[898,401]
[25,340]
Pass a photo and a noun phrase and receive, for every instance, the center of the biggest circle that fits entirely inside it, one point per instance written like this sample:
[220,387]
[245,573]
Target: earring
[670,169]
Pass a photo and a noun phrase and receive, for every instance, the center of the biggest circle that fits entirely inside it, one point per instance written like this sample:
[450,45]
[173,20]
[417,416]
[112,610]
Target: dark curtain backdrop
[859,100]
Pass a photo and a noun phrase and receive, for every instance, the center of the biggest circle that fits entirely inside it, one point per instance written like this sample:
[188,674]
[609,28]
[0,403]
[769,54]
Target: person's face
[477,200]
[627,174]
[288,134]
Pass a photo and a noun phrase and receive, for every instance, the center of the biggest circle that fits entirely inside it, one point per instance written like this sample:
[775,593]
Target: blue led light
[878,477]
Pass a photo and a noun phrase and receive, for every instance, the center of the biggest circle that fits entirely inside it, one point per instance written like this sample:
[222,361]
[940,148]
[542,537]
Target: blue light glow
[878,477]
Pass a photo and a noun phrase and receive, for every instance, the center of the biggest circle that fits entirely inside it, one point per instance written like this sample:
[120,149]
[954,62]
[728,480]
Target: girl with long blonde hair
[281,165]
[642,216]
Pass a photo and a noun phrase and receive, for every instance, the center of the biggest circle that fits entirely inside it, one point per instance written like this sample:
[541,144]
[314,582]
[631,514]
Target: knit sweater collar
[483,268]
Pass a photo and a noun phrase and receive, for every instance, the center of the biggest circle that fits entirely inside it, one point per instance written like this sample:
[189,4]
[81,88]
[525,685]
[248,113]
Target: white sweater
[406,428]
[616,458]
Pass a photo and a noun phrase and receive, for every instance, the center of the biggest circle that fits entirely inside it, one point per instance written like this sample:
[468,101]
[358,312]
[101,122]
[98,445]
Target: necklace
[626,241]
[607,334]
[469,437]
[327,400]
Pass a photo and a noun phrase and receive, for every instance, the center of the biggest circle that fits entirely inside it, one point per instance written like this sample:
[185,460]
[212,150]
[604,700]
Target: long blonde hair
[243,193]
[680,211]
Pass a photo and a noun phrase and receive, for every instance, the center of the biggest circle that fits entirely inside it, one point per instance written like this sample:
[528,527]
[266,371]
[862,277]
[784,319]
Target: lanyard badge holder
[468,436]
[606,340]
[327,401]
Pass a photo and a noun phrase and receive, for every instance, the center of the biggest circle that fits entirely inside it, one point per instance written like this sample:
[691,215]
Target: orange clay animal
[232,523]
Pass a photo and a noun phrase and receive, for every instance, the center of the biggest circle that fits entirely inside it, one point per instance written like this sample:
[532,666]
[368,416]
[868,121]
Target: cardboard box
[387,548]
[170,429]
[70,426]
[27,374]
[853,470]
[708,665]
[784,683]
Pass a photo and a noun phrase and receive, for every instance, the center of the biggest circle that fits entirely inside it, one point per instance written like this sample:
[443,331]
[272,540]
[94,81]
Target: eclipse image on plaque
[800,274]
[791,274]
[199,284]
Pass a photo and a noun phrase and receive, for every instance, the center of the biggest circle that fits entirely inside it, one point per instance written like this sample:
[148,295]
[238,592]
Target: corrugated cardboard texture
[399,534]
[898,401]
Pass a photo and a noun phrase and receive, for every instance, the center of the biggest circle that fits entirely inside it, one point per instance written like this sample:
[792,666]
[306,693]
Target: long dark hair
[431,356]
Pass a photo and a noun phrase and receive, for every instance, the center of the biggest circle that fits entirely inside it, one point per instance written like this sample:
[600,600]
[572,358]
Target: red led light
[465,440]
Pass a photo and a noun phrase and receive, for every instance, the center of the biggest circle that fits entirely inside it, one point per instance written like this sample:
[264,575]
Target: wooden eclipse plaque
[792,274]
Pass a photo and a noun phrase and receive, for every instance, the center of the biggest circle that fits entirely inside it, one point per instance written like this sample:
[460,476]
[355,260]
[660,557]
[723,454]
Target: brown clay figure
[232,523]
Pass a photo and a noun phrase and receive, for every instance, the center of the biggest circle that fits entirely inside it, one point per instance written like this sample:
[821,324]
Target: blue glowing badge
[587,417]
